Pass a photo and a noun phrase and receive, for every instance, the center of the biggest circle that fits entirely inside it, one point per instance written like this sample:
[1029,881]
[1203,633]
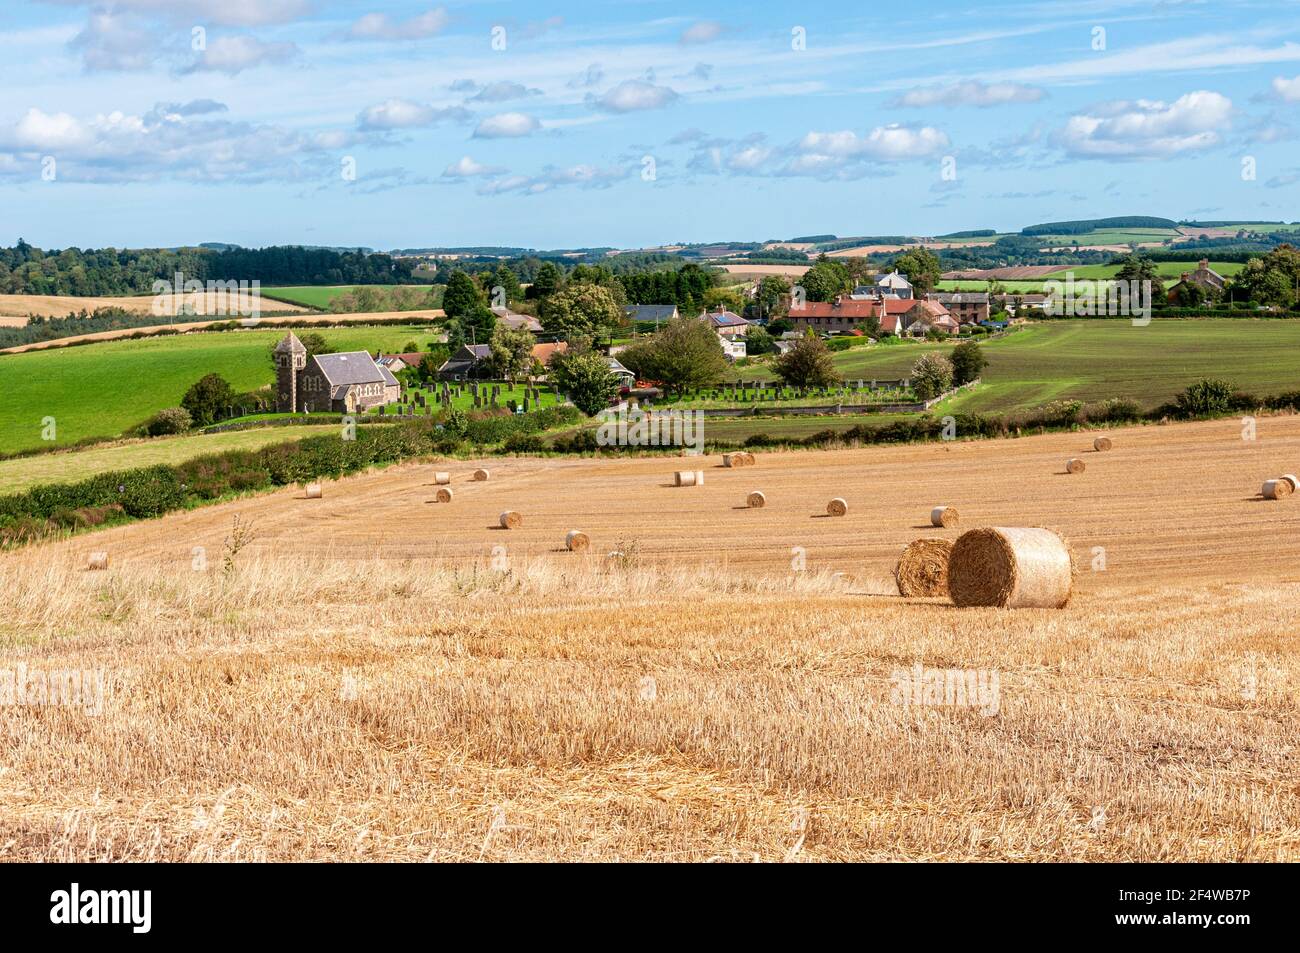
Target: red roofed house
[896,315]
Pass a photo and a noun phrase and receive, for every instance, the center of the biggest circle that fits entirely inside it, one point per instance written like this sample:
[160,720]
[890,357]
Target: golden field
[376,676]
[208,302]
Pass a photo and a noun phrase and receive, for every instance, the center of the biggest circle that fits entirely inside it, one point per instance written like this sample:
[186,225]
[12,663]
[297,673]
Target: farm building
[344,383]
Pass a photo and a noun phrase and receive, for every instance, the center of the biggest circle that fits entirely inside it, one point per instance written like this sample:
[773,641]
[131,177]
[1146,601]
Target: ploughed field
[379,676]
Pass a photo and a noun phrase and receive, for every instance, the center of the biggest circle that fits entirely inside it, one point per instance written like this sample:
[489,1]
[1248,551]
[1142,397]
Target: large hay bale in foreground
[837,507]
[1101,443]
[511,520]
[1010,567]
[481,475]
[97,561]
[922,570]
[576,541]
[684,478]
[944,516]
[314,491]
[441,477]
[1276,489]
[1075,465]
[756,500]
[444,494]
[1293,480]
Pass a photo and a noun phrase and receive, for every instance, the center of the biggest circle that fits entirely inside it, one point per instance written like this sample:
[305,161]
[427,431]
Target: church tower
[290,358]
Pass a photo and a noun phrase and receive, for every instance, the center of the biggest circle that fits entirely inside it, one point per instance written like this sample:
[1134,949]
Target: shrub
[968,362]
[1061,413]
[524,443]
[1113,410]
[1205,398]
[170,421]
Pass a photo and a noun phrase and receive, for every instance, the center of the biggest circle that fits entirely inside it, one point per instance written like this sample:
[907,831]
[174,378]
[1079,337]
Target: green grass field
[465,401]
[17,475]
[99,390]
[320,296]
[1111,236]
[1093,360]
[1170,271]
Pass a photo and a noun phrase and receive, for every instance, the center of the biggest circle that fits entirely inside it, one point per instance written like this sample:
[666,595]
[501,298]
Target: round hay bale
[314,491]
[1292,479]
[480,475]
[443,494]
[576,541]
[684,478]
[511,520]
[837,507]
[749,459]
[1074,465]
[944,516]
[699,478]
[922,569]
[1101,443]
[1276,489]
[97,561]
[732,460]
[756,500]
[1010,567]
[441,477]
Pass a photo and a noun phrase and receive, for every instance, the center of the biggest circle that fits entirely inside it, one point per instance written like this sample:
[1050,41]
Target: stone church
[342,383]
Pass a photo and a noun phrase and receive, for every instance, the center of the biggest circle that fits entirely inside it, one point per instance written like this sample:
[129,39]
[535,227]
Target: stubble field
[377,676]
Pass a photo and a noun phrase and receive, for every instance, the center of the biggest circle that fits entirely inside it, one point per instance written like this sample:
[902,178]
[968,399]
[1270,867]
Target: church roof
[352,367]
[291,344]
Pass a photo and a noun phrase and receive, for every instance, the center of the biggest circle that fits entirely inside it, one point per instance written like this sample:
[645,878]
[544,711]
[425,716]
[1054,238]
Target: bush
[1205,398]
[170,421]
[524,443]
[1112,411]
[1061,413]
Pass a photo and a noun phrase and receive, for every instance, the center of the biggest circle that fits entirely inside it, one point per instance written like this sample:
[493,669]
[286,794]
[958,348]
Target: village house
[344,383]
[894,284]
[516,321]
[727,324]
[966,306]
[650,313]
[897,316]
[466,363]
[1205,278]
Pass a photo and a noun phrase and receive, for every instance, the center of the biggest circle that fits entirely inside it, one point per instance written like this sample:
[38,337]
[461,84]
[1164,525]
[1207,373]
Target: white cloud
[589,77]
[240,13]
[892,143]
[635,94]
[467,167]
[234,54]
[1147,128]
[972,93]
[702,32]
[502,91]
[186,142]
[506,126]
[115,41]
[381,26]
[582,175]
[405,114]
[1288,90]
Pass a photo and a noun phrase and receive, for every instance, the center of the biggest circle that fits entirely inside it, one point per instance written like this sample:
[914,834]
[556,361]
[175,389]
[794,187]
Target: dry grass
[403,698]
[166,305]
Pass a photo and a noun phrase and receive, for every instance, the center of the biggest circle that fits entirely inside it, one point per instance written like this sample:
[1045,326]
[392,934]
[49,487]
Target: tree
[870,327]
[967,362]
[1140,268]
[584,375]
[546,282]
[826,280]
[807,364]
[921,266]
[581,309]
[724,299]
[207,398]
[773,292]
[505,279]
[684,354]
[758,341]
[512,353]
[931,376]
[462,297]
[1272,280]
[170,421]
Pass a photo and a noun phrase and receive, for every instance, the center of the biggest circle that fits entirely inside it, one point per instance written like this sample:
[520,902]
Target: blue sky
[395,124]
